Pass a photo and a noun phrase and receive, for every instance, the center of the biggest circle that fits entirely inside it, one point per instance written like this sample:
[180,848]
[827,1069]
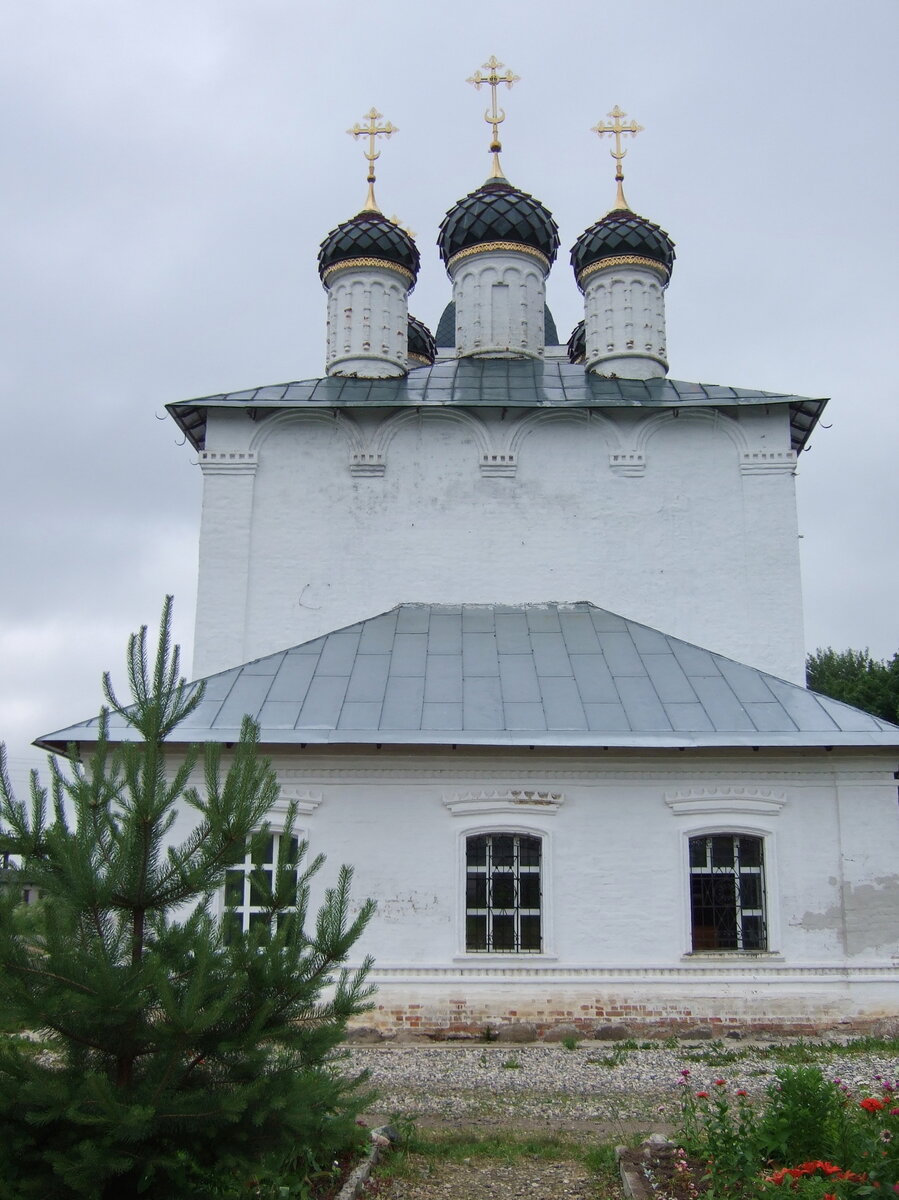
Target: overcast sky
[169,168]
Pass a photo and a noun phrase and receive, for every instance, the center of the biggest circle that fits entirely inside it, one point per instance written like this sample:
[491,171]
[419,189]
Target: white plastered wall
[683,519]
[615,829]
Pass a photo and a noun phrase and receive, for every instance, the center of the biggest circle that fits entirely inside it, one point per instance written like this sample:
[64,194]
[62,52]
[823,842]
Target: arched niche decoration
[388,429]
[336,420]
[648,428]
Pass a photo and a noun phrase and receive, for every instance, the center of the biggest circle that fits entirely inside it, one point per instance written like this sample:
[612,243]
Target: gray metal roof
[560,675]
[493,383]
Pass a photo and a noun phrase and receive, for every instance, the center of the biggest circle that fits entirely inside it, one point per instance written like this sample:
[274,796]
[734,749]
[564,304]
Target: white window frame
[507,957]
[769,894]
[729,808]
[246,866]
[306,804]
[514,810]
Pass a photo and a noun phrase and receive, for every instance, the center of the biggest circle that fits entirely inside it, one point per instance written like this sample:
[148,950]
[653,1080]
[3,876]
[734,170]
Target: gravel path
[598,1092]
[548,1085]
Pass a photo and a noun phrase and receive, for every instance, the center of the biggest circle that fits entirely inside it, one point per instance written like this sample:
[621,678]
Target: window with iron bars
[727,892]
[502,894]
[248,886]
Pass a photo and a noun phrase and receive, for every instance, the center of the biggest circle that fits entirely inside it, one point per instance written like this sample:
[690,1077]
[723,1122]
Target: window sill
[732,956]
[518,957]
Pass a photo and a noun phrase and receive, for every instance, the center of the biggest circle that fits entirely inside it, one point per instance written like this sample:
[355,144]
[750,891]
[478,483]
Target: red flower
[702,1095]
[742,1092]
[871,1104]
[719,1083]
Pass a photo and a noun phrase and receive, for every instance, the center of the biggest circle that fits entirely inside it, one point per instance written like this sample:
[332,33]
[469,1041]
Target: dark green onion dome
[621,234]
[422,347]
[577,343]
[369,235]
[446,328]
[498,212]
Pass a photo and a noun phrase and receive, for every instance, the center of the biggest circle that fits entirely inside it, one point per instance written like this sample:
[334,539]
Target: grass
[799,1054]
[423,1151]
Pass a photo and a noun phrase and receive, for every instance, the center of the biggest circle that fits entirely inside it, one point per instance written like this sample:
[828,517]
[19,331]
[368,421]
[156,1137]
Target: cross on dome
[371,131]
[494,115]
[616,129]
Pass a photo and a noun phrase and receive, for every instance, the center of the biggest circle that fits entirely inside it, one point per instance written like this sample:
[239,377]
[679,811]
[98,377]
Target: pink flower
[894,1112]
[685,1072]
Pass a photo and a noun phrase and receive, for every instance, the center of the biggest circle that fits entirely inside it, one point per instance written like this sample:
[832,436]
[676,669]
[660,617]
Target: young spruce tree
[182,1056]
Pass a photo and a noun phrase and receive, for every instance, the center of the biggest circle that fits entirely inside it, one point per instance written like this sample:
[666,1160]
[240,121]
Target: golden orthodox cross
[371,131]
[617,128]
[494,115]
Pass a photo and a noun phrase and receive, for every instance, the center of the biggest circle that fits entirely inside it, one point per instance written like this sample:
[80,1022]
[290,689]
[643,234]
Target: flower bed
[813,1138]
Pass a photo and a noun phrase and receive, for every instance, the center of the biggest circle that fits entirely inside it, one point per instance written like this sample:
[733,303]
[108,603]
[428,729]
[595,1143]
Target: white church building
[521,626]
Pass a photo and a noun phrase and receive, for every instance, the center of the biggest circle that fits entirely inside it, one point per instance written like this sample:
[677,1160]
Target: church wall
[615,830]
[684,521]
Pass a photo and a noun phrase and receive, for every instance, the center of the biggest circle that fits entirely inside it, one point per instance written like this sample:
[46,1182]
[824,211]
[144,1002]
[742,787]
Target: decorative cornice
[484,803]
[306,801]
[498,464]
[628,464]
[492,247]
[228,462]
[622,260]
[736,966]
[731,801]
[382,264]
[387,767]
[768,462]
[362,464]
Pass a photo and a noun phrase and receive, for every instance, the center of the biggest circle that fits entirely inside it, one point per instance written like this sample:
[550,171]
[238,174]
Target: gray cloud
[169,170]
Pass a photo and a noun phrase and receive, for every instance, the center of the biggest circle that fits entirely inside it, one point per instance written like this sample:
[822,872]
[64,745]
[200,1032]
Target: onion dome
[368,240]
[498,216]
[577,343]
[622,237]
[422,347]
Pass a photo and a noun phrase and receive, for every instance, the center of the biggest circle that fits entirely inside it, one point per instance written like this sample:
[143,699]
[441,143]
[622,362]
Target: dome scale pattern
[622,233]
[369,235]
[498,212]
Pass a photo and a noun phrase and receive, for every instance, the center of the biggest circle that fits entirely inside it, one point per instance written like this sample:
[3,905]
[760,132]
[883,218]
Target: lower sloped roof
[560,675]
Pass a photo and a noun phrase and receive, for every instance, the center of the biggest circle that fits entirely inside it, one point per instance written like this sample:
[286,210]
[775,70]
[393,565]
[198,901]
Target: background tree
[179,1057]
[854,677]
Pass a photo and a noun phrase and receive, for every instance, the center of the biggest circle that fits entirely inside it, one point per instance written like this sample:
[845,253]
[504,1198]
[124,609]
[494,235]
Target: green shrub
[181,1061]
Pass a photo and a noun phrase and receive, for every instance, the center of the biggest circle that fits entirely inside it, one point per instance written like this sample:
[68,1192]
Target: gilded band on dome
[623,260]
[383,264]
[492,247]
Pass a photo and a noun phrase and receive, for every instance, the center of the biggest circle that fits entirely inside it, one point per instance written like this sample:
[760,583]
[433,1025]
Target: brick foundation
[460,1019]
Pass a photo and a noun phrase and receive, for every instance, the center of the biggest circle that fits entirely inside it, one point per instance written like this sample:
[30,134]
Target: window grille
[249,885]
[502,894]
[727,892]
